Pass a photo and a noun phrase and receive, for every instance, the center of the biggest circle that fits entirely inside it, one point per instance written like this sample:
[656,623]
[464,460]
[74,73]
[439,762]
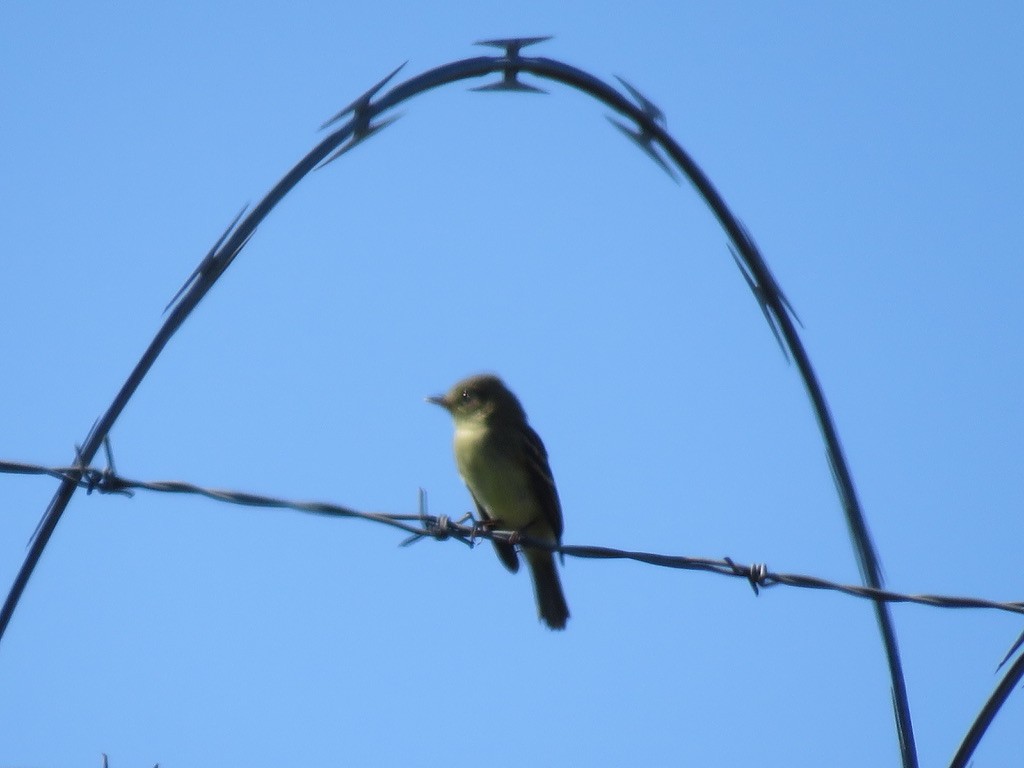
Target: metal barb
[755,574]
[644,140]
[207,259]
[510,75]
[360,104]
[642,136]
[1013,650]
[441,528]
[758,292]
[513,45]
[509,82]
[358,137]
[772,282]
[422,506]
[424,520]
[107,479]
[109,454]
[229,257]
[648,106]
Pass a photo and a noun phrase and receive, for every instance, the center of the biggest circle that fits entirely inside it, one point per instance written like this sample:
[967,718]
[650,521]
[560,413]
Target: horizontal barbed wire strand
[422,525]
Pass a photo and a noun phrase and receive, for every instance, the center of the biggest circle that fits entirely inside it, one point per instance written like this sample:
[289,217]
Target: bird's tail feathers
[547,588]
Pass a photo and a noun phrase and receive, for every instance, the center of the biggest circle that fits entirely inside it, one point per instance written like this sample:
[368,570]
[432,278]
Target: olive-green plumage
[505,466]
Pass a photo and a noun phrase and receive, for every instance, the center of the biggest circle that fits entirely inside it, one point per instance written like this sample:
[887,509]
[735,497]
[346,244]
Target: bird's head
[481,398]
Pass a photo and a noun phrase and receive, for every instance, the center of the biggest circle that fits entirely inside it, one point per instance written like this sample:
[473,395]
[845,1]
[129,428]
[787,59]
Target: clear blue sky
[875,154]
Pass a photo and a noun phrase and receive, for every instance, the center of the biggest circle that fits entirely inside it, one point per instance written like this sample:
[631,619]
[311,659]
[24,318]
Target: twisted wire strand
[422,525]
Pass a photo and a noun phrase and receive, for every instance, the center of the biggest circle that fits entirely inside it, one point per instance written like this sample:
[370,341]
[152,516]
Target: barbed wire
[468,531]
[644,125]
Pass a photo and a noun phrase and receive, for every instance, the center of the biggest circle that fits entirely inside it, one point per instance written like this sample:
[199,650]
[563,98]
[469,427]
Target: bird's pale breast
[496,476]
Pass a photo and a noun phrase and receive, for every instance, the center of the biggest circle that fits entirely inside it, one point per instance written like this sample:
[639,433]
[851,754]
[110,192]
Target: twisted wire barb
[422,525]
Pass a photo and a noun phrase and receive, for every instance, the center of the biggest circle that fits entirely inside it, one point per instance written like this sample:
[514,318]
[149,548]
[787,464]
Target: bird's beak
[438,400]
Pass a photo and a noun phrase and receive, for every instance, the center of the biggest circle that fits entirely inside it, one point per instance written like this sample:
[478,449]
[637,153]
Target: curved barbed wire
[363,123]
[992,705]
[421,525]
[653,139]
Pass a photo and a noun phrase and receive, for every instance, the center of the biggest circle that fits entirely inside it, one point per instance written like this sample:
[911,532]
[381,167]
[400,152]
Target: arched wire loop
[645,126]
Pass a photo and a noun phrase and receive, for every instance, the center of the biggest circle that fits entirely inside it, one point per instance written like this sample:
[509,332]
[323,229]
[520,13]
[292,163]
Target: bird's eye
[468,396]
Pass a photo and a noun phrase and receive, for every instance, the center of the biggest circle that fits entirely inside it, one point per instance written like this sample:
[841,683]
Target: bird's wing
[542,481]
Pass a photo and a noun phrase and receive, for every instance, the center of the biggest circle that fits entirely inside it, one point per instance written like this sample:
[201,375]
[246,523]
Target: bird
[504,464]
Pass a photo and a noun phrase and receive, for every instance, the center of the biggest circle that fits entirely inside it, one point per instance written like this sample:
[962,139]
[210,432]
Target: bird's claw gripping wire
[478,526]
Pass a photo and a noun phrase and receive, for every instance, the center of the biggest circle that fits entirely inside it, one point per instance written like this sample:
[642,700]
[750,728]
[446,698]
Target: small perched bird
[505,466]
